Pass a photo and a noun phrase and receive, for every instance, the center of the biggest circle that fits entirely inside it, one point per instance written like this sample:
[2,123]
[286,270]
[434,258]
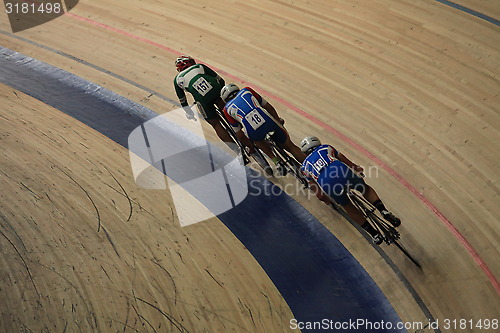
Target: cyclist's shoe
[395,221]
[246,160]
[250,150]
[280,167]
[377,239]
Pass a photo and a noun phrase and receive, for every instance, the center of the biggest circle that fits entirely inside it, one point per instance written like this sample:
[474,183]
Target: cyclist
[204,85]
[246,109]
[329,171]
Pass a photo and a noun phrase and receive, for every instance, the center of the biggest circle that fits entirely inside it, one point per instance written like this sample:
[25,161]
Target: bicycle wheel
[229,129]
[260,158]
[293,167]
[408,255]
[388,232]
[297,171]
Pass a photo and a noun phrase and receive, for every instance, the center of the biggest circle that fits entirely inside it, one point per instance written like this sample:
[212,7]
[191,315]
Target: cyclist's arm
[238,130]
[245,140]
[239,133]
[233,122]
[213,73]
[272,111]
[266,105]
[342,158]
[221,81]
[319,192]
[180,93]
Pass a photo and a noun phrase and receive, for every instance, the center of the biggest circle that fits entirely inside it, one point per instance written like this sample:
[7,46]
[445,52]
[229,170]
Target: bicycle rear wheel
[388,232]
[296,170]
[260,158]
[293,167]
[407,254]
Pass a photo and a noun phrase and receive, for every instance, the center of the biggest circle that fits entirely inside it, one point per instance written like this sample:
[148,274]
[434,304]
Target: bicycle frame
[258,156]
[287,159]
[388,232]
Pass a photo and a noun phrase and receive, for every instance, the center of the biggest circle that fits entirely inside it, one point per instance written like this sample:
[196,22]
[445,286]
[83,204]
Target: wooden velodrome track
[409,87]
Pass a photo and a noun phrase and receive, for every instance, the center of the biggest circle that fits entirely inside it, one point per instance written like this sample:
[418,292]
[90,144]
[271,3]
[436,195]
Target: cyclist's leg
[354,213]
[371,195]
[338,176]
[282,138]
[219,103]
[219,129]
[357,216]
[294,150]
[258,135]
[266,148]
[361,186]
[334,187]
[210,115]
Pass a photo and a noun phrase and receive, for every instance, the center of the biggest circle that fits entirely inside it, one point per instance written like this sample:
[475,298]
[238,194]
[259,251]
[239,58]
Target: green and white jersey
[201,82]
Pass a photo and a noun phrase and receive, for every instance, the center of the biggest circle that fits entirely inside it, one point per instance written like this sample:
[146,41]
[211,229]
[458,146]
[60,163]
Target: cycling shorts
[207,110]
[333,179]
[258,132]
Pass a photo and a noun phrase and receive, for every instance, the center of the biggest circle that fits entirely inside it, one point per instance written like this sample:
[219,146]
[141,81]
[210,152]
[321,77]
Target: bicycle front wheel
[261,160]
[292,165]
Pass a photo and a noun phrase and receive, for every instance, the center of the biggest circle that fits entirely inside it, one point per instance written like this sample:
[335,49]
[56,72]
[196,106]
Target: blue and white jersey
[246,108]
[315,162]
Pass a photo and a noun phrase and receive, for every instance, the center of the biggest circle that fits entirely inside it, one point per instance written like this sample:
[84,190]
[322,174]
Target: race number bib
[255,119]
[318,165]
[202,86]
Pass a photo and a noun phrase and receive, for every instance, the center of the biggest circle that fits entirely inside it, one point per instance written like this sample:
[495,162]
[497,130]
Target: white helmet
[228,91]
[308,143]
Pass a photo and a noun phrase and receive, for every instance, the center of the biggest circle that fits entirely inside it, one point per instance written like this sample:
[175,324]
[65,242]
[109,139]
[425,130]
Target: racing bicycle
[258,156]
[388,232]
[292,166]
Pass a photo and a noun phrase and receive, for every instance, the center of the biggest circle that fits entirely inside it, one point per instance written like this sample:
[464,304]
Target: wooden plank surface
[89,250]
[412,87]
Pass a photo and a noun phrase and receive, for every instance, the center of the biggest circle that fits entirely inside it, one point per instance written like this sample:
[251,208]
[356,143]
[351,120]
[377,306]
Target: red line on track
[341,136]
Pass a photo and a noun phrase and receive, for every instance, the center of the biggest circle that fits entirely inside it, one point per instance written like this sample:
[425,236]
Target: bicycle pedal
[394,234]
[392,219]
[282,170]
[378,239]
